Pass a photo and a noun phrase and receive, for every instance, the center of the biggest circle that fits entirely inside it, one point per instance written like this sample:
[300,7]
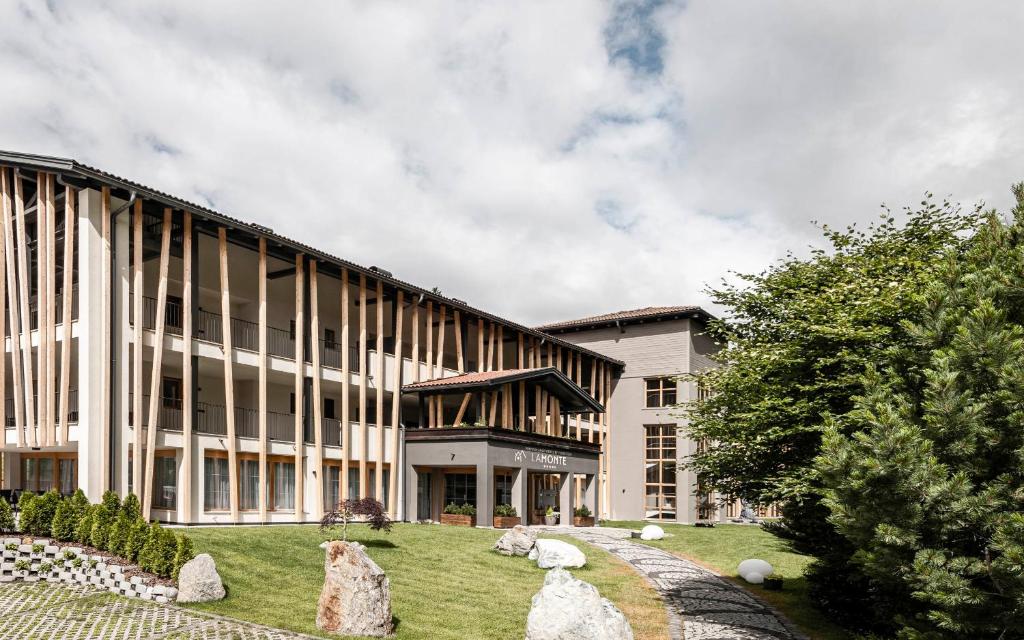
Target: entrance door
[543,494]
[423,493]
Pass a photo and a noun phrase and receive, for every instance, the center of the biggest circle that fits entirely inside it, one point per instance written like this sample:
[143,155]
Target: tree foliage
[929,489]
[371,511]
[796,342]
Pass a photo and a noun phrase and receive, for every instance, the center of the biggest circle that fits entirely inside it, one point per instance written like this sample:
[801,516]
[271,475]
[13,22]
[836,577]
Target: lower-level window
[371,488]
[284,485]
[166,484]
[460,488]
[353,483]
[43,472]
[216,484]
[503,489]
[332,490]
[249,479]
[660,469]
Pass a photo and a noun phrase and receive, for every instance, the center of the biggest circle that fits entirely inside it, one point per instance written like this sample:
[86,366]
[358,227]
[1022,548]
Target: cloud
[539,160]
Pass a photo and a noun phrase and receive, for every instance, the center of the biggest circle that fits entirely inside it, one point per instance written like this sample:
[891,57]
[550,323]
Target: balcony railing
[245,334]
[168,414]
[9,416]
[33,315]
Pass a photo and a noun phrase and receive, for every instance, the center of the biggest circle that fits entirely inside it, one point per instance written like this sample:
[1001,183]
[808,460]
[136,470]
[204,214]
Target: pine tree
[6,516]
[64,521]
[183,553]
[44,507]
[83,532]
[101,521]
[138,533]
[930,488]
[26,511]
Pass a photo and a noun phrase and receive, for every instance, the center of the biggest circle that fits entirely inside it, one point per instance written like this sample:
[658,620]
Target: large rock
[517,541]
[356,598]
[551,554]
[198,580]
[567,608]
[754,570]
[652,532]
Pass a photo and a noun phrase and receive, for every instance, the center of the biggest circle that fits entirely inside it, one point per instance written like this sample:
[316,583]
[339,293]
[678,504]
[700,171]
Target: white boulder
[567,608]
[754,565]
[754,577]
[517,541]
[550,554]
[652,532]
[356,598]
[198,580]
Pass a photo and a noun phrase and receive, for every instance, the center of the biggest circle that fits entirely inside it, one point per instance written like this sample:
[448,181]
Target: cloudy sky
[541,160]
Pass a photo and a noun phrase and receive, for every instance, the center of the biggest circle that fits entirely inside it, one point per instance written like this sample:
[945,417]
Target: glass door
[423,492]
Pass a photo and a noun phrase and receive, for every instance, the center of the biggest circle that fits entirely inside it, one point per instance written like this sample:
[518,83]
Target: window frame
[666,385]
[664,433]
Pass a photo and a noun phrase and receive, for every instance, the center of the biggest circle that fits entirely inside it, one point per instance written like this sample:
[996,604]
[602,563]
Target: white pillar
[119,345]
[91,367]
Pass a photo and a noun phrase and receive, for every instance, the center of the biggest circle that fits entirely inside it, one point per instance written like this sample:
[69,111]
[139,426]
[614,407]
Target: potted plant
[773,582]
[581,517]
[505,516]
[551,517]
[458,515]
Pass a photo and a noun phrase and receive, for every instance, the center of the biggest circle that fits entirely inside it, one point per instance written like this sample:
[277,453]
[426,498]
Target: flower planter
[550,520]
[583,521]
[506,522]
[457,520]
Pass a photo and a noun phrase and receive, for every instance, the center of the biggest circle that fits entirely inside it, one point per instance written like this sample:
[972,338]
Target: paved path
[42,611]
[710,606]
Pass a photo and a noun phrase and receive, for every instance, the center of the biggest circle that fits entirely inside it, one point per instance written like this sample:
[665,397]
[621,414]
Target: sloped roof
[572,397]
[631,315]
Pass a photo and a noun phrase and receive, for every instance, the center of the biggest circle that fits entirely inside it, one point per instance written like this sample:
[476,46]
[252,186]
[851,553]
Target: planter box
[457,520]
[583,521]
[506,522]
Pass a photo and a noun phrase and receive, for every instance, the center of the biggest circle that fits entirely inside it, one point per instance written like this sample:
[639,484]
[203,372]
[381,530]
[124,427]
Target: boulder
[551,554]
[567,608]
[754,577]
[754,566]
[198,580]
[517,541]
[356,598]
[652,532]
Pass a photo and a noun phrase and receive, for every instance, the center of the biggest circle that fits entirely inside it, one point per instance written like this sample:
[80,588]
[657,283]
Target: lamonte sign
[542,459]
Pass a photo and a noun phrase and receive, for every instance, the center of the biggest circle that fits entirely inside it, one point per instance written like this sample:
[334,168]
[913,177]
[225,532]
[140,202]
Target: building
[657,345]
[227,374]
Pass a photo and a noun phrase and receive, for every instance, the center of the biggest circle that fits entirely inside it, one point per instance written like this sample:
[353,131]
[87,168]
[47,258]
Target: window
[329,408]
[332,493]
[353,483]
[249,477]
[503,489]
[171,392]
[371,488]
[284,485]
[660,471]
[216,495]
[43,472]
[460,488]
[661,392]
[291,329]
[329,339]
[166,484]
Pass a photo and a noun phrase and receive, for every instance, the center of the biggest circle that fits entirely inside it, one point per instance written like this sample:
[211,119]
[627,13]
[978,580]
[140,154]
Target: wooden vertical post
[396,406]
[480,364]
[65,349]
[593,394]
[42,270]
[13,310]
[187,396]
[300,372]
[51,308]
[441,326]
[157,368]
[459,362]
[363,430]
[229,376]
[137,293]
[501,347]
[262,373]
[416,341]
[520,356]
[430,339]
[523,422]
[346,421]
[24,274]
[3,317]
[318,426]
[490,347]
[378,479]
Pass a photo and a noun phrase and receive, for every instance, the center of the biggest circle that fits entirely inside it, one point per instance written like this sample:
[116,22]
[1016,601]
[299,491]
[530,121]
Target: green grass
[723,547]
[445,581]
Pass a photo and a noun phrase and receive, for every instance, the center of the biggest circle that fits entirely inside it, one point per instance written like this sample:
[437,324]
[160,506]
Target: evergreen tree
[64,522]
[183,553]
[6,516]
[930,487]
[101,521]
[138,533]
[26,511]
[112,502]
[121,527]
[83,532]
[44,508]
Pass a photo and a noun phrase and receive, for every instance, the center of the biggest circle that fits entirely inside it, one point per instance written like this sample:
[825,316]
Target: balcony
[33,315]
[245,334]
[72,407]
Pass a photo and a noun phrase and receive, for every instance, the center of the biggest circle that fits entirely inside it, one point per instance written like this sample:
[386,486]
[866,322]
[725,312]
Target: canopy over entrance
[571,397]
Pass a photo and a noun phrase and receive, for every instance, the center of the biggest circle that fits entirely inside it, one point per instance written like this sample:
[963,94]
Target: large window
[353,483]
[249,477]
[661,392]
[284,485]
[371,489]
[503,488]
[216,495]
[166,485]
[660,468]
[460,488]
[42,472]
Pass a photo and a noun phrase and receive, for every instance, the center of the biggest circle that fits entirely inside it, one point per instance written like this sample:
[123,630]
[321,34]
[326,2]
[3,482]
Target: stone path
[711,607]
[41,610]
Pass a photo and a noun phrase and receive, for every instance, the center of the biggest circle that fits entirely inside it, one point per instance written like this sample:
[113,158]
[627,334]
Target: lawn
[723,547]
[445,581]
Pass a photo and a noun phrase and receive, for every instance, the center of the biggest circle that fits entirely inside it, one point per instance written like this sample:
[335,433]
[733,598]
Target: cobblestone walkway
[42,611]
[710,606]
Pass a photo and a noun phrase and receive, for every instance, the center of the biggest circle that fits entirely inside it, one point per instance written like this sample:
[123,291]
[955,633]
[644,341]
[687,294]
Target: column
[566,498]
[91,367]
[590,497]
[484,494]
[520,498]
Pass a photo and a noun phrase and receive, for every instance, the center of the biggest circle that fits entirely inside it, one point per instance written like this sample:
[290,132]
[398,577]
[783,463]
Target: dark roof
[623,317]
[572,396]
[73,167]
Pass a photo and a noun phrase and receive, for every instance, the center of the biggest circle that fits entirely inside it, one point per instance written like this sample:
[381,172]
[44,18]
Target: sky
[539,160]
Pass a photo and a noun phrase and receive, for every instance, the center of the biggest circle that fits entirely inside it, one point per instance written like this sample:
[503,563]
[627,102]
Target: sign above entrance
[542,459]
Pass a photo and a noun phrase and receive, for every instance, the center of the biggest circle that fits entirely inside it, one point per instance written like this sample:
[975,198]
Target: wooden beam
[300,373]
[490,347]
[430,340]
[459,362]
[42,305]
[441,326]
[492,415]
[346,422]
[378,476]
[462,409]
[65,348]
[187,396]
[262,375]
[523,422]
[431,413]
[480,364]
[51,308]
[229,374]
[520,356]
[3,315]
[13,309]
[593,394]
[107,330]
[538,413]
[318,426]
[396,407]
[416,341]
[137,294]
[363,430]
[579,383]
[501,348]
[156,370]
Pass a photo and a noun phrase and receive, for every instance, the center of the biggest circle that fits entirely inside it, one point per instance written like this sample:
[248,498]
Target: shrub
[100,531]
[183,553]
[112,502]
[582,511]
[130,507]
[374,512]
[138,532]
[6,516]
[64,521]
[38,547]
[21,564]
[45,567]
[11,546]
[460,510]
[69,554]
[119,530]
[83,532]
[158,553]
[26,511]
[45,506]
[505,511]
[77,562]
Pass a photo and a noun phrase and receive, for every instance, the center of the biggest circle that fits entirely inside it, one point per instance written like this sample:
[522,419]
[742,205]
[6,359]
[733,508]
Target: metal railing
[168,413]
[58,318]
[9,416]
[280,426]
